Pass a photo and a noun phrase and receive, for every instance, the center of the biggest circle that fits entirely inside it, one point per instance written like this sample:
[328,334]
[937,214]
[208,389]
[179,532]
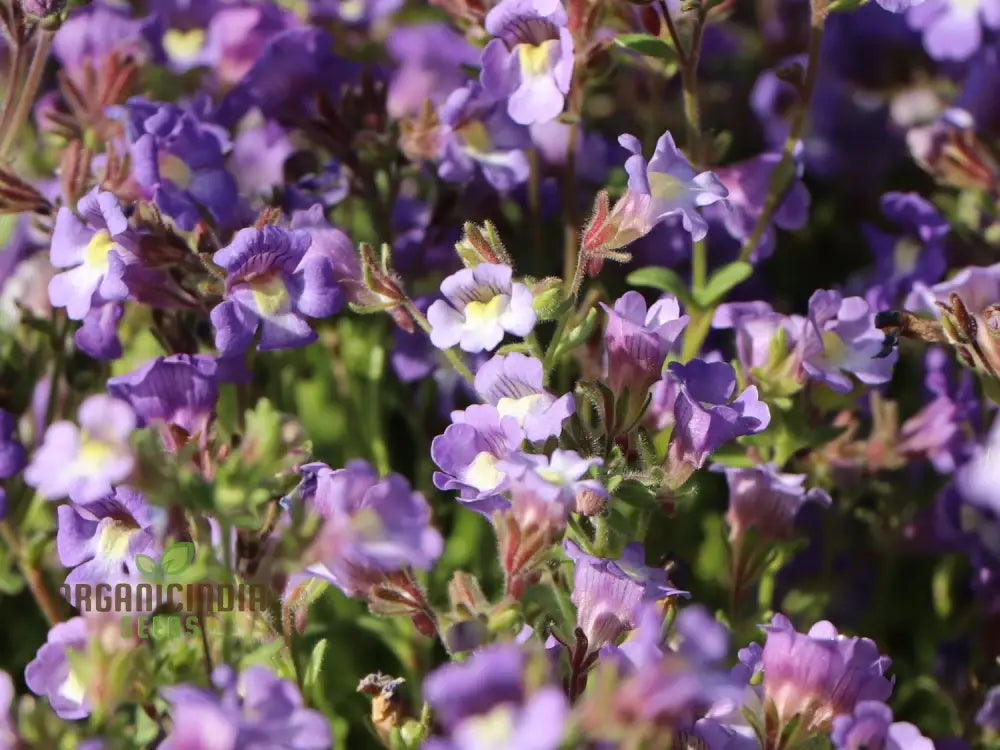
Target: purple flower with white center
[483,303]
[178,393]
[178,161]
[513,383]
[870,727]
[843,339]
[274,282]
[953,29]
[559,476]
[96,252]
[988,715]
[353,12]
[820,674]
[12,454]
[638,340]
[664,186]
[100,540]
[84,461]
[257,710]
[748,183]
[530,63]
[468,454]
[609,594]
[766,500]
[699,394]
[371,526]
[429,58]
[476,130]
[50,673]
[258,158]
[483,703]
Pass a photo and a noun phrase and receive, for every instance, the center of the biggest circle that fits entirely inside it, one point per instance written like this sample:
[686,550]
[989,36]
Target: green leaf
[663,279]
[722,281]
[148,567]
[177,558]
[648,46]
[310,681]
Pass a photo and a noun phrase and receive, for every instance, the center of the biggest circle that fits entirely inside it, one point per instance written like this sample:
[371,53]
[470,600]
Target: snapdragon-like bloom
[530,63]
[273,282]
[95,250]
[953,29]
[609,594]
[178,160]
[371,526]
[638,340]
[51,674]
[255,710]
[820,674]
[513,383]
[84,461]
[559,476]
[177,392]
[484,703]
[468,454]
[100,540]
[870,727]
[767,500]
[12,455]
[483,303]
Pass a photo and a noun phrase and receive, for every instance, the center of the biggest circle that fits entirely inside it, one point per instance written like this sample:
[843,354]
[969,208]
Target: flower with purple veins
[609,594]
[177,392]
[84,461]
[767,500]
[530,63]
[953,29]
[870,727]
[513,383]
[483,303]
[96,252]
[255,710]
[556,477]
[178,160]
[274,282]
[468,453]
[51,674]
[820,674]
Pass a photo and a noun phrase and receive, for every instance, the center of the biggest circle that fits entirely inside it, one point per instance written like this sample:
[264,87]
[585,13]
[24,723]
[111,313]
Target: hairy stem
[27,91]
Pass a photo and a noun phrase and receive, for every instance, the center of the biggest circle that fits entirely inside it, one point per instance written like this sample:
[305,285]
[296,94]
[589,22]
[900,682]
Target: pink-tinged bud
[464,592]
[589,503]
[481,244]
[950,150]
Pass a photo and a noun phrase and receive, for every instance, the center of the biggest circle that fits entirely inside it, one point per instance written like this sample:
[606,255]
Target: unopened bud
[589,503]
[481,244]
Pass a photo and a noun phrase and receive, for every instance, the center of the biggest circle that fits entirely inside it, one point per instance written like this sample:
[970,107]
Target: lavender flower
[256,710]
[12,455]
[8,735]
[98,336]
[766,500]
[513,383]
[177,392]
[482,304]
[977,479]
[988,715]
[820,674]
[608,594]
[485,703]
[468,453]
[870,726]
[95,252]
[953,29]
[51,674]
[558,476]
[273,282]
[83,462]
[371,526]
[530,63]
[429,57]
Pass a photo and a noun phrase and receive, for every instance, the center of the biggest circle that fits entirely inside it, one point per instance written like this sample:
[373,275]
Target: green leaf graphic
[177,558]
[148,567]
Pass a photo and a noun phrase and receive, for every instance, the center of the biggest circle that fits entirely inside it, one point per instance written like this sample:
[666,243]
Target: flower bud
[481,245]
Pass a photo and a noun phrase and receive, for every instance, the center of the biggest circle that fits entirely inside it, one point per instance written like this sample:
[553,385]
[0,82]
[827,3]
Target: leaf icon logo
[175,560]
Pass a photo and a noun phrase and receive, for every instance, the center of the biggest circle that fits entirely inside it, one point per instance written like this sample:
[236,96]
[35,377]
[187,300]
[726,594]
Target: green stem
[572,265]
[28,91]
[699,266]
[456,360]
[689,77]
[32,576]
[696,332]
[550,354]
[59,329]
[535,210]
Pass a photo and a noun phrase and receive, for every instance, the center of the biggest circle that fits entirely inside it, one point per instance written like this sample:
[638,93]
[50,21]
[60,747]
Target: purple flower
[51,674]
[699,395]
[95,250]
[274,282]
[482,304]
[757,327]
[665,186]
[870,727]
[766,500]
[12,454]
[258,158]
[476,130]
[556,479]
[609,594]
[429,57]
[953,29]
[100,540]
[637,341]
[177,392]
[336,247]
[178,161]
[84,462]
[8,735]
[820,674]
[530,63]
[977,480]
[843,339]
[98,336]
[90,34]
[513,383]
[371,526]
[353,12]
[468,454]
[256,711]
[483,703]
[988,715]
[237,35]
